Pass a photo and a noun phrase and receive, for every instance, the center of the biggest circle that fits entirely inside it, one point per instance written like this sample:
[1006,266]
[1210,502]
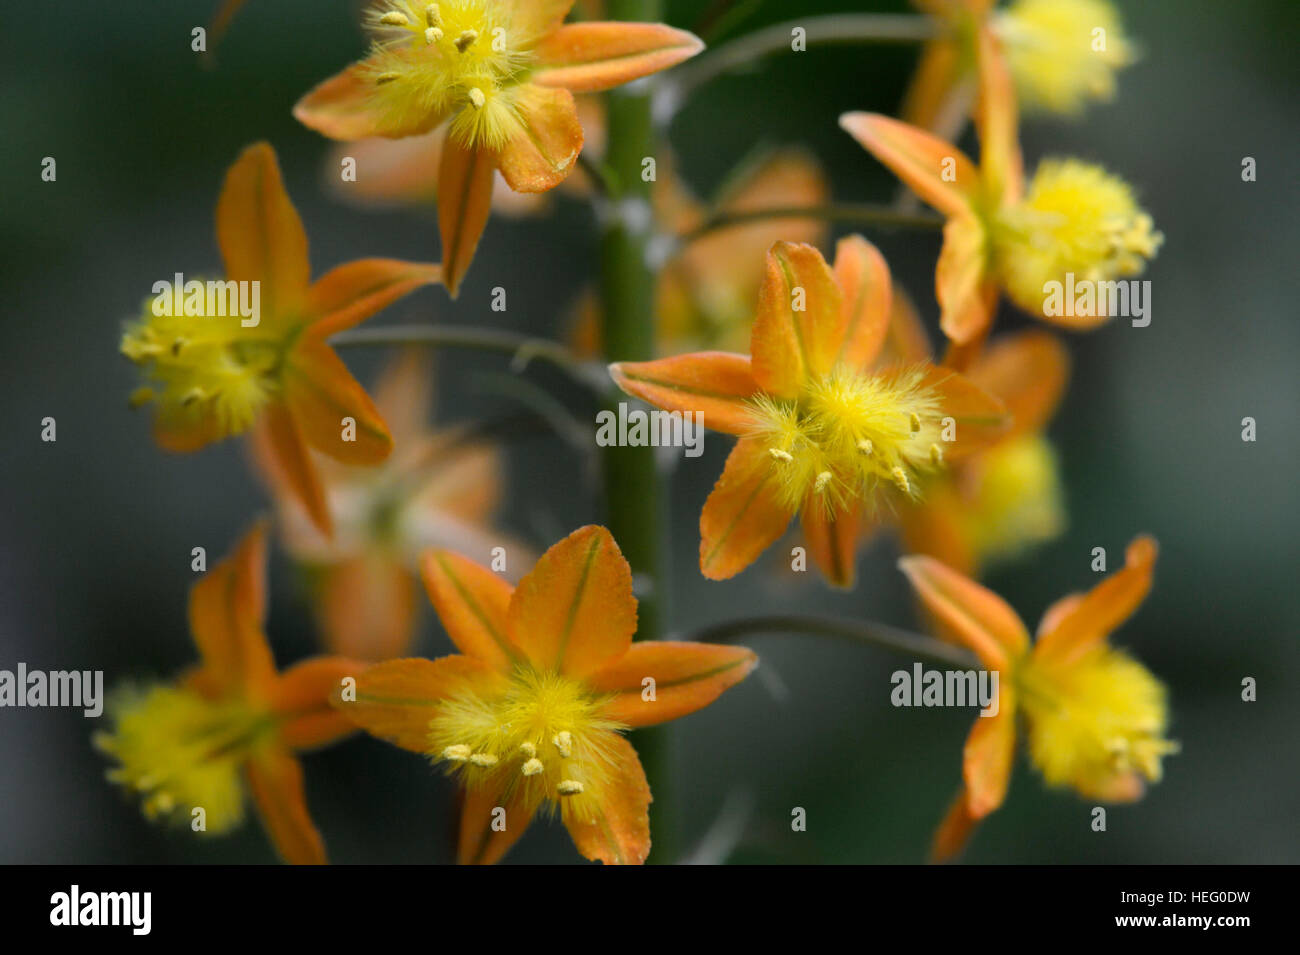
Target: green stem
[867,214]
[878,635]
[632,494]
[847,28]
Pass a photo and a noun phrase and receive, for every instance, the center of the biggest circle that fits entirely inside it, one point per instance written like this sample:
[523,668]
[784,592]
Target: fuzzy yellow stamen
[432,36]
[528,749]
[532,767]
[457,753]
[865,446]
[900,479]
[466,40]
[432,15]
[484,760]
[563,742]
[394,19]
[476,98]
[785,457]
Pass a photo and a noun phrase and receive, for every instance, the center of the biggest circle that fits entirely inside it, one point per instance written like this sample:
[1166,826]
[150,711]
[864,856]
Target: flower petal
[536,18]
[574,611]
[833,540]
[366,606]
[934,527]
[320,393]
[480,842]
[1027,372]
[344,107]
[687,677]
[937,171]
[906,341]
[260,234]
[473,604]
[988,757]
[283,449]
[396,699]
[997,122]
[1093,618]
[227,608]
[966,295]
[301,698]
[464,201]
[980,418]
[590,57]
[800,323]
[350,293]
[613,826]
[542,151]
[863,278]
[275,781]
[743,515]
[714,385]
[967,613]
[954,831]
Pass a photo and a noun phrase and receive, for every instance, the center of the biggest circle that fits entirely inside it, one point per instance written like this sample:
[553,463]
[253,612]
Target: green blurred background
[96,529]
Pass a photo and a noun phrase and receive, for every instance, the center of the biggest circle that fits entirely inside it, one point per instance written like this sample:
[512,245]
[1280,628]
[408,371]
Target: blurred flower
[436,490]
[1061,53]
[529,715]
[213,377]
[705,295]
[233,722]
[501,74]
[1000,501]
[1094,717]
[823,432]
[1074,219]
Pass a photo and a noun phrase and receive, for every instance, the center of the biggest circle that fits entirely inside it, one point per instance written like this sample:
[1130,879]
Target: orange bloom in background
[825,432]
[438,489]
[1074,221]
[232,724]
[529,715]
[501,75]
[1094,717]
[212,376]
[706,293]
[998,502]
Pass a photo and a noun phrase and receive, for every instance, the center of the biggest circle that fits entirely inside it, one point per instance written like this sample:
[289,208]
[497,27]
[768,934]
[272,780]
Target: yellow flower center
[1015,501]
[1062,53]
[204,372]
[1093,719]
[458,58]
[848,434]
[543,738]
[179,752]
[1075,218]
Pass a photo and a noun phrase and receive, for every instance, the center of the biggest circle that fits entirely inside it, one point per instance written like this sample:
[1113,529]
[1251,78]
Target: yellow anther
[466,39]
[485,760]
[936,455]
[865,446]
[900,478]
[394,19]
[477,98]
[569,787]
[383,78]
[915,421]
[528,749]
[432,15]
[532,767]
[563,741]
[458,753]
[785,457]
[432,35]
[822,481]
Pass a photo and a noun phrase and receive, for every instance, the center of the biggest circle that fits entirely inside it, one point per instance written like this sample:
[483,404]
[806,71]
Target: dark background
[96,529]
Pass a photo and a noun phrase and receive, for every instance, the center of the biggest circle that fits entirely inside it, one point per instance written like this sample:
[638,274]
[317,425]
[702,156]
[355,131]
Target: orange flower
[995,503]
[214,373]
[824,431]
[529,714]
[501,74]
[1094,717]
[1074,221]
[437,490]
[233,723]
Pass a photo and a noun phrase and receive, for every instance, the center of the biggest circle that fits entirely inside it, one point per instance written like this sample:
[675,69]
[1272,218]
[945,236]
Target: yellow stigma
[1094,720]
[1013,498]
[178,752]
[541,734]
[1063,53]
[206,372]
[458,60]
[849,435]
[1075,219]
